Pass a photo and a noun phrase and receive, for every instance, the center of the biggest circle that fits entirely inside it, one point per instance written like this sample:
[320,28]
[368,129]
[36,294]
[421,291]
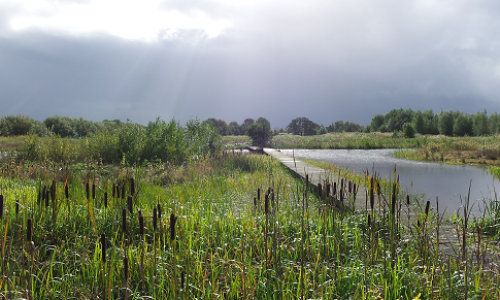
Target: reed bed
[235,227]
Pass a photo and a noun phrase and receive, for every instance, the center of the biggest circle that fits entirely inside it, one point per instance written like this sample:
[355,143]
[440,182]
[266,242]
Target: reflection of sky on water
[444,181]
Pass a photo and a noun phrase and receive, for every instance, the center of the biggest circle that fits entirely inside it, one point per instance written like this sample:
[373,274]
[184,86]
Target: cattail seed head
[87,189]
[29,230]
[130,204]
[350,187]
[334,189]
[266,204]
[53,191]
[320,190]
[103,247]
[369,221]
[272,195]
[427,207]
[17,207]
[124,220]
[255,202]
[341,195]
[328,190]
[258,194]
[159,212]
[173,219]
[66,191]
[93,191]
[1,206]
[125,269]
[407,199]
[155,220]
[354,189]
[106,199]
[132,186]
[47,198]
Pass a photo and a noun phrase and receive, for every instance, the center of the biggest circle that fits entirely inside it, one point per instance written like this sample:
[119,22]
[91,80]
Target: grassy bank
[231,227]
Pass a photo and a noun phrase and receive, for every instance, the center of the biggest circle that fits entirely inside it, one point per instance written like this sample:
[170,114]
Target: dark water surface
[447,182]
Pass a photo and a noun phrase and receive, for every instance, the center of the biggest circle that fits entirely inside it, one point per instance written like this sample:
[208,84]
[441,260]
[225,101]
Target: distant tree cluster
[233,128]
[450,123]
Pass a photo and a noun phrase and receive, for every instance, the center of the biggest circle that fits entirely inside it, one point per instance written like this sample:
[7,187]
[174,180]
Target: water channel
[449,183]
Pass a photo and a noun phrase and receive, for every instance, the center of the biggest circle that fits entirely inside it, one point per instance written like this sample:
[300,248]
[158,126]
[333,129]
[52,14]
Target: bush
[165,142]
[409,131]
[130,143]
[202,139]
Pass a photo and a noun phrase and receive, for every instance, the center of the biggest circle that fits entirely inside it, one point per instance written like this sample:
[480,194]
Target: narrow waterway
[449,183]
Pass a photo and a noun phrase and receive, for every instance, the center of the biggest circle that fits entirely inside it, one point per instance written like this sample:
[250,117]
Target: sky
[327,60]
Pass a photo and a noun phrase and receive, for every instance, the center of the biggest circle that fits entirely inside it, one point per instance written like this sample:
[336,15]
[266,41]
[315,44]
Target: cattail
[266,204]
[93,191]
[17,207]
[29,230]
[124,220]
[258,194]
[334,189]
[350,187]
[369,221]
[87,190]
[132,186]
[53,191]
[427,206]
[183,275]
[1,206]
[173,219]
[272,195]
[130,204]
[125,270]
[407,199]
[105,199]
[372,196]
[159,212]
[141,224]
[47,198]
[328,190]
[66,190]
[103,247]
[307,181]
[255,202]
[320,190]
[154,219]
[342,184]
[378,188]
[342,195]
[269,190]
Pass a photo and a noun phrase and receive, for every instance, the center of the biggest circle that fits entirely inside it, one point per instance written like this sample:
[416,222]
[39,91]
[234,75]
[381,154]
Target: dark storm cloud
[325,60]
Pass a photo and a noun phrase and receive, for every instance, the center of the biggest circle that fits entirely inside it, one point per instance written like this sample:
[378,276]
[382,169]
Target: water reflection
[447,182]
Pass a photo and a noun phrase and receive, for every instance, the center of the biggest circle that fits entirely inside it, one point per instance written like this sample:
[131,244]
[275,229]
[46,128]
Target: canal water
[449,183]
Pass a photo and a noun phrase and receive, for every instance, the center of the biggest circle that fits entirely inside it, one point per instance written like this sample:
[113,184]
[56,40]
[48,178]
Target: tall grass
[213,240]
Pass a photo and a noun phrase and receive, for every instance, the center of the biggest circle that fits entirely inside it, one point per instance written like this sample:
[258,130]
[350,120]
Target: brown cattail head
[407,199]
[173,219]
[427,207]
[342,184]
[342,195]
[272,195]
[66,190]
[103,247]
[124,220]
[354,189]
[307,181]
[53,191]
[320,190]
[29,230]
[269,190]
[87,189]
[258,194]
[159,212]
[125,270]
[378,188]
[141,224]
[350,187]
[132,186]
[93,191]
[105,199]
[1,206]
[334,189]
[255,202]
[328,190]
[266,204]
[369,221]
[17,207]
[155,220]
[130,204]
